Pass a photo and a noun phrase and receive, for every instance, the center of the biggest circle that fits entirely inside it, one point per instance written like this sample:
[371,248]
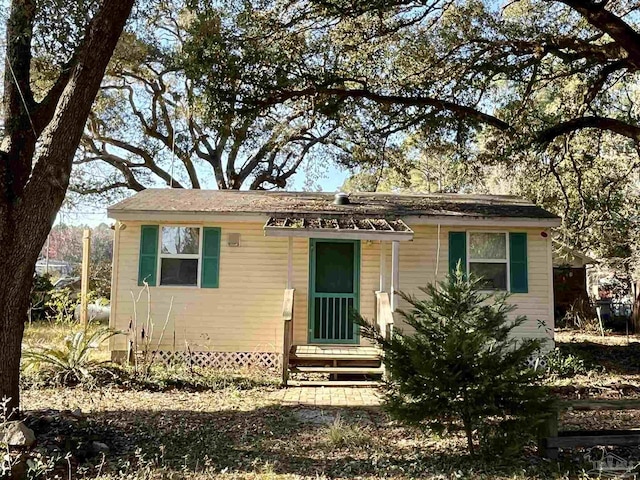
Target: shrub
[462,365]
[100,279]
[565,365]
[40,291]
[61,306]
[72,362]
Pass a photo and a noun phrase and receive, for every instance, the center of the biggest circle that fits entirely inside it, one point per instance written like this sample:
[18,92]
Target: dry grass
[239,430]
[342,434]
[231,433]
[46,334]
[615,359]
[576,336]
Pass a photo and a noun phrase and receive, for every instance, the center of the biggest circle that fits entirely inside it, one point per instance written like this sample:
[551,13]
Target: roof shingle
[387,205]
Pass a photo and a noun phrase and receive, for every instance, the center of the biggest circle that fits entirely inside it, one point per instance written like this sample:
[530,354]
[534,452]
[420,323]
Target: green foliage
[73,361]
[463,365]
[195,68]
[40,291]
[565,365]
[61,305]
[100,279]
[41,283]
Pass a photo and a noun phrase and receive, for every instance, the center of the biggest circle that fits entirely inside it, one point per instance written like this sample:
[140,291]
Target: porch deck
[346,364]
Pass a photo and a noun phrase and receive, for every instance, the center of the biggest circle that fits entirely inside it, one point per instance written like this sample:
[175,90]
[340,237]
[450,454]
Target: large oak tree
[41,136]
[152,126]
[485,62]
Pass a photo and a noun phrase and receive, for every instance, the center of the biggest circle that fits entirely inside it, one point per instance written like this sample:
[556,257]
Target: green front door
[334,290]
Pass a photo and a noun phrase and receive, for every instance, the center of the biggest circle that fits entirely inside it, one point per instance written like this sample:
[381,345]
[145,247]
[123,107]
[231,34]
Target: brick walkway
[328,396]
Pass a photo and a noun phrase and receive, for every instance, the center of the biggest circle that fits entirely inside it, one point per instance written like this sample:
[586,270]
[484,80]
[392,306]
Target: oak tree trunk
[14,298]
[36,154]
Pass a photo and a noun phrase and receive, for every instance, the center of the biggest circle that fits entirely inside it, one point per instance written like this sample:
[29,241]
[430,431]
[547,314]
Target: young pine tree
[461,365]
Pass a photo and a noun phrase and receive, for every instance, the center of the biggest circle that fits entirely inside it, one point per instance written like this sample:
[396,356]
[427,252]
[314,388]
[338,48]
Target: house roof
[563,254]
[362,205]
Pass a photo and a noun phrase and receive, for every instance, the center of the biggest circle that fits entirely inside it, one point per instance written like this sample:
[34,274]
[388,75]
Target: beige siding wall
[244,313]
[421,264]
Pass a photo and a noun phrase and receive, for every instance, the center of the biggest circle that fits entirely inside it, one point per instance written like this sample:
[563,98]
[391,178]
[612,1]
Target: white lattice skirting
[221,360]
[537,362]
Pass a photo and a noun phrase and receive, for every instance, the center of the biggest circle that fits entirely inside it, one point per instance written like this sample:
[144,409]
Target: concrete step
[339,370]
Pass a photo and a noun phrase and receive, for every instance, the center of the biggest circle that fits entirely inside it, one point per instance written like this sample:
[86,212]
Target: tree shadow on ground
[331,442]
[618,359]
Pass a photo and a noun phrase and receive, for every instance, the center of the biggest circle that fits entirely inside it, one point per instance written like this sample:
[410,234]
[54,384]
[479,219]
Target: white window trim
[197,256]
[507,261]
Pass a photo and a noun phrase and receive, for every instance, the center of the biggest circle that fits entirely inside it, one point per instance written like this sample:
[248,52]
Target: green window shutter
[518,262]
[210,257]
[457,251]
[148,262]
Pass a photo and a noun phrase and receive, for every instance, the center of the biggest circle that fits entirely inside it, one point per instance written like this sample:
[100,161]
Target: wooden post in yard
[635,311]
[84,292]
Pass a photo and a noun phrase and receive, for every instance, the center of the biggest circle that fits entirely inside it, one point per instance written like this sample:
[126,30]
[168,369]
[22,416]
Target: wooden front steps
[335,365]
[339,370]
[333,383]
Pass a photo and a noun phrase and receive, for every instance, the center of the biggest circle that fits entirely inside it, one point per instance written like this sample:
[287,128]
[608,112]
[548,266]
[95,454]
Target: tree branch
[147,158]
[103,189]
[20,139]
[597,15]
[60,139]
[460,111]
[601,123]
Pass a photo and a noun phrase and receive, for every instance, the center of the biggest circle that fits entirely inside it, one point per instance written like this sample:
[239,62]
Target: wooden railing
[384,315]
[287,317]
[332,319]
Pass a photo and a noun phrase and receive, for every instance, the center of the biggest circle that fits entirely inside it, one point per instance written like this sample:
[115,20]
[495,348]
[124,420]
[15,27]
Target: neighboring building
[58,268]
[220,263]
[570,279]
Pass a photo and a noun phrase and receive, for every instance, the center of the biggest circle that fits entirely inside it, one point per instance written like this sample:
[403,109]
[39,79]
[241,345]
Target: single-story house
[241,277]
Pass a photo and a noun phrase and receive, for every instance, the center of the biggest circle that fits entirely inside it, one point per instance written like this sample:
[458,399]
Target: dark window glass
[334,267]
[179,271]
[493,275]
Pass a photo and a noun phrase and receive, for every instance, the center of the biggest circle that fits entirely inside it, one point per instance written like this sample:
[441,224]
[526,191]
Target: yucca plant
[73,361]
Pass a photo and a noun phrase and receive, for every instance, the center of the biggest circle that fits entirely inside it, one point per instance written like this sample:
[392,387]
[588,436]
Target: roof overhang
[586,259]
[184,216]
[346,228]
[468,220]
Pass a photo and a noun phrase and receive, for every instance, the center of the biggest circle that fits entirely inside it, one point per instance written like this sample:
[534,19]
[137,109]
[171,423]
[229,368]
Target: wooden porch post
[84,282]
[395,273]
[287,315]
[383,267]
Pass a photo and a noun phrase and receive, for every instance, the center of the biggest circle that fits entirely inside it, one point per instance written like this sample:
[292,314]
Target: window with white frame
[179,255]
[487,257]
